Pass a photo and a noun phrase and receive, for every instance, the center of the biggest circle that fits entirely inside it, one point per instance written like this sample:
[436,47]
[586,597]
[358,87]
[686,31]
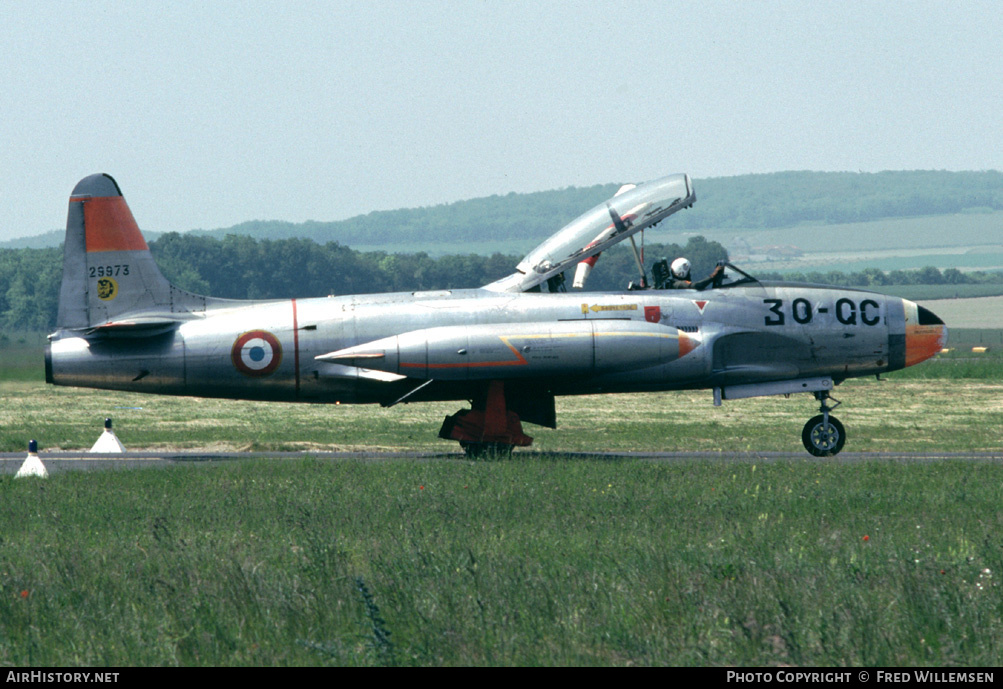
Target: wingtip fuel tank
[541,350]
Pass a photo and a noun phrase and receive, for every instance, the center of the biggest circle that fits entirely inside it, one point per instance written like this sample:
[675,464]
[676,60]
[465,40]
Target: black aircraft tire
[821,443]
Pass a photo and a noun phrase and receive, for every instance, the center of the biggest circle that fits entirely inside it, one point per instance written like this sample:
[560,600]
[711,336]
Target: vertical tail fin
[108,270]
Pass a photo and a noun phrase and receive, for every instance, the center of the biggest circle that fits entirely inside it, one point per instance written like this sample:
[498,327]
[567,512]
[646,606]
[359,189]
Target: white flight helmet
[681,268]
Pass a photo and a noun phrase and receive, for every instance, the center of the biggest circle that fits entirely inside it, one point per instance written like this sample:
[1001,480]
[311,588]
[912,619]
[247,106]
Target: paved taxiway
[56,462]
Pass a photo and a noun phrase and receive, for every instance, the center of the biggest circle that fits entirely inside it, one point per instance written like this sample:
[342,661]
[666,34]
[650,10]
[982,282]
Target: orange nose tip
[923,342]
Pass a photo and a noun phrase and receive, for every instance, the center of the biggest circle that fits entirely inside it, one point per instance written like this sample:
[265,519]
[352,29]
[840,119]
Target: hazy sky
[212,113]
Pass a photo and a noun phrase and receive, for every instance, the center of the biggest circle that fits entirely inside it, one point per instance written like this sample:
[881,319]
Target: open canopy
[630,211]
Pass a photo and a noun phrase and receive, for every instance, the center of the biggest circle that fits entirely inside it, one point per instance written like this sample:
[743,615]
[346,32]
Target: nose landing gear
[823,435]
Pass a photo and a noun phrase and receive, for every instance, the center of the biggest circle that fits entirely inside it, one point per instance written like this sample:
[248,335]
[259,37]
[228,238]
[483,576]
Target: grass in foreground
[531,561]
[901,415]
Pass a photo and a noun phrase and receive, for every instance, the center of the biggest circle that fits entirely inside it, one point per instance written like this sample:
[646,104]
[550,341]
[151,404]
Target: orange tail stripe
[109,225]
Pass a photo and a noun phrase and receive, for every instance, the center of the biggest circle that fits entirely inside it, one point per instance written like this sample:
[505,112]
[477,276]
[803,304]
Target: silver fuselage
[566,343]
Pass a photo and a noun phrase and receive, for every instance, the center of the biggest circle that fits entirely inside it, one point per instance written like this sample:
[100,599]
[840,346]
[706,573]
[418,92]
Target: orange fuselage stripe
[109,225]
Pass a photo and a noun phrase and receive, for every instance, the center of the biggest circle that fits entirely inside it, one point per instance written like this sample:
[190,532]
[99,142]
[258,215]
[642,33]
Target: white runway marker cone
[108,443]
[32,465]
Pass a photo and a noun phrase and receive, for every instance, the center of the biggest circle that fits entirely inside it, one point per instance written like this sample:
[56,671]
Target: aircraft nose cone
[925,334]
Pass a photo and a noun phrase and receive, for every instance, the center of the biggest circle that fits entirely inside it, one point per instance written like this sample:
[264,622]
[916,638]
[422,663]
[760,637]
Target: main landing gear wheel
[823,438]
[488,430]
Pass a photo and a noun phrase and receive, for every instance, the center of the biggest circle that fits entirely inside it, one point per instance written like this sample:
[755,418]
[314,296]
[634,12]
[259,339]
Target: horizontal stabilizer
[135,327]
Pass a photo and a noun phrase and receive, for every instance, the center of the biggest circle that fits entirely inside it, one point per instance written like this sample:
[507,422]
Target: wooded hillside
[781,199]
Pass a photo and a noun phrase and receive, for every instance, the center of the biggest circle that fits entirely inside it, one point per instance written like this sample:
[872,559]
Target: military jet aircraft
[509,348]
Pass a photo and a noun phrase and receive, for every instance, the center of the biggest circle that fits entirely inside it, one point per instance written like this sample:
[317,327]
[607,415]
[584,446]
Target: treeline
[782,199]
[243,268]
[500,217]
[29,288]
[874,277]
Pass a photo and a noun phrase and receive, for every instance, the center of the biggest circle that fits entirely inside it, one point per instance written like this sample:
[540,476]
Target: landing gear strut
[487,430]
[823,435]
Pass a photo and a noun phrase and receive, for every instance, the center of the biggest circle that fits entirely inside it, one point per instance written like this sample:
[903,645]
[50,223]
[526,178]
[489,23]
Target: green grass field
[542,559]
[524,562]
[980,313]
[967,241]
[902,414]
[941,292]
[966,262]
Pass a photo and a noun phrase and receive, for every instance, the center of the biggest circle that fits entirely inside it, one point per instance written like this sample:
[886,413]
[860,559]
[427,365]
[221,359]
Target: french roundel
[256,353]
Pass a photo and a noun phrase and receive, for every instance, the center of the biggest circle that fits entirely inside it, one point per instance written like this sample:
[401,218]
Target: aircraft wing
[609,223]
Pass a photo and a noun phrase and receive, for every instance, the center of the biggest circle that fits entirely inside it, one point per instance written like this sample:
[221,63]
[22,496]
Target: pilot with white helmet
[680,276]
